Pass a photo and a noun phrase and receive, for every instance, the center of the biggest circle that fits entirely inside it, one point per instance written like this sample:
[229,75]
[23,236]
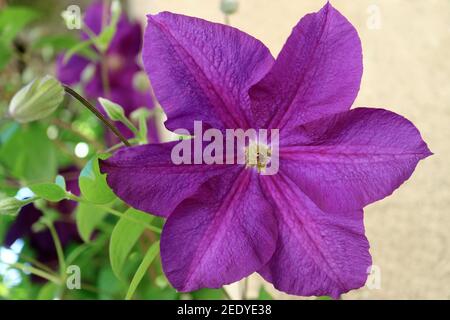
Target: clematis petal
[70,72]
[95,16]
[352,158]
[317,253]
[317,73]
[224,232]
[146,178]
[21,227]
[202,70]
[127,41]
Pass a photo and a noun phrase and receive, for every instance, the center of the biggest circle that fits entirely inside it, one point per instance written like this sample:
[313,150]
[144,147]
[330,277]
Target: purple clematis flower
[121,61]
[302,228]
[42,242]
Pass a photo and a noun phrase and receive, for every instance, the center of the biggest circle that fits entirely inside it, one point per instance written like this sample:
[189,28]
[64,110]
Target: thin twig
[97,113]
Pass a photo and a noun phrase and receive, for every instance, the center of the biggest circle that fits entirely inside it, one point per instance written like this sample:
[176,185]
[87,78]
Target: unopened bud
[229,6]
[141,82]
[11,206]
[37,100]
[115,112]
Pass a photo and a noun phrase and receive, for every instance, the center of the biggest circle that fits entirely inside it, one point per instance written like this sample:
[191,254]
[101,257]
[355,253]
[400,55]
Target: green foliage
[124,237]
[57,43]
[5,54]
[148,259]
[11,206]
[82,48]
[264,295]
[49,191]
[209,294]
[103,40]
[93,184]
[13,20]
[27,153]
[88,217]
[48,291]
[131,268]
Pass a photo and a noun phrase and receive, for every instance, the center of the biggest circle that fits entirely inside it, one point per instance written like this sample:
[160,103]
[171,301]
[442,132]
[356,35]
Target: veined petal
[202,70]
[225,232]
[317,253]
[317,73]
[353,158]
[146,178]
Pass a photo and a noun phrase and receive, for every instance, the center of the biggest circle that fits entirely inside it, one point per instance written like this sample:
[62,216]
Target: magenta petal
[317,253]
[352,158]
[146,178]
[94,17]
[226,231]
[70,72]
[318,72]
[202,70]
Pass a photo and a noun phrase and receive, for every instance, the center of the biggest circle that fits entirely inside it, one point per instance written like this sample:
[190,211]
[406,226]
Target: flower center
[257,155]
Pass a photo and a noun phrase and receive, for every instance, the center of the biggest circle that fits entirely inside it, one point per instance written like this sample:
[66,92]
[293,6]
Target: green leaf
[324,298]
[48,291]
[93,184]
[13,19]
[264,295]
[5,54]
[58,43]
[124,236]
[208,294]
[108,286]
[28,153]
[81,48]
[5,222]
[103,40]
[142,269]
[88,217]
[49,191]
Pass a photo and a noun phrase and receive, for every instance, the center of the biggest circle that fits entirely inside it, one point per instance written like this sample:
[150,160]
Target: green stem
[121,215]
[97,113]
[37,272]
[130,125]
[115,213]
[36,263]
[59,250]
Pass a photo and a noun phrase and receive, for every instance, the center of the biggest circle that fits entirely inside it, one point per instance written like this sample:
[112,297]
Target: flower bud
[37,100]
[141,82]
[113,110]
[11,206]
[229,6]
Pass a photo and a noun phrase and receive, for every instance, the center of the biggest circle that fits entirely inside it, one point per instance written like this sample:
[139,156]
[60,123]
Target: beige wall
[407,70]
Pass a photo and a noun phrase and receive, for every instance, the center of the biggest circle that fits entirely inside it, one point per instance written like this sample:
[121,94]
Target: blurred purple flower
[42,242]
[121,61]
[301,229]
